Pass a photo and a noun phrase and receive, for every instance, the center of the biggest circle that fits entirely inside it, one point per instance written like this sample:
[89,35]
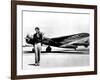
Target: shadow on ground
[84,51]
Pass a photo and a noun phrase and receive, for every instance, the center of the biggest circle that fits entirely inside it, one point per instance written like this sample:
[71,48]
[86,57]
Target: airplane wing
[70,38]
[72,41]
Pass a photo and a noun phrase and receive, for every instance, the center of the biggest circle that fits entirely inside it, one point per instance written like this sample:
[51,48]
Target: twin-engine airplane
[71,41]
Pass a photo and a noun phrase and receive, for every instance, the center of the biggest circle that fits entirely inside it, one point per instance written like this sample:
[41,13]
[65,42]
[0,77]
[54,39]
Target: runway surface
[57,58]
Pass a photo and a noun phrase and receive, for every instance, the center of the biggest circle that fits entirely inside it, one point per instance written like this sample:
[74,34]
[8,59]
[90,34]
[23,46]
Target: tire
[33,50]
[48,49]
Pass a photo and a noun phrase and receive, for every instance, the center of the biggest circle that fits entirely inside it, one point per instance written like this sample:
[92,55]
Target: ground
[59,57]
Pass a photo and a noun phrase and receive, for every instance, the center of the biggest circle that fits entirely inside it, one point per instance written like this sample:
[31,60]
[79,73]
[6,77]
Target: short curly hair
[37,28]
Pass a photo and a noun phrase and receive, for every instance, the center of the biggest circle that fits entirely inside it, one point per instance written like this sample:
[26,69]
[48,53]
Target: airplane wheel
[33,50]
[86,46]
[48,49]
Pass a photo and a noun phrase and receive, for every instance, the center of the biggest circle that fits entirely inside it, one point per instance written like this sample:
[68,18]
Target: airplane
[70,41]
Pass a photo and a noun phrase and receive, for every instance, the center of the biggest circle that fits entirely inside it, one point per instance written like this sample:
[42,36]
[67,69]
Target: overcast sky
[55,24]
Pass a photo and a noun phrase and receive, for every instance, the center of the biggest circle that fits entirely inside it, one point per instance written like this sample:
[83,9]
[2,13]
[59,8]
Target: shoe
[36,64]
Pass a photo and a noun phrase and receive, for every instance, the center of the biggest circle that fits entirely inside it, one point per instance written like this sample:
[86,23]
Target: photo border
[14,39]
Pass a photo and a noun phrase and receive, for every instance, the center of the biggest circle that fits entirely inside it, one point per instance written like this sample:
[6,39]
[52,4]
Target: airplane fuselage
[71,41]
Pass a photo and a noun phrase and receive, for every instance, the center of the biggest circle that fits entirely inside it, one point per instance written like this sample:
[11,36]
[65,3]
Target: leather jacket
[37,37]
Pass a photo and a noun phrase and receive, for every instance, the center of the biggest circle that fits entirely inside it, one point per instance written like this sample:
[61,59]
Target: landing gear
[33,50]
[48,49]
[86,46]
[75,49]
